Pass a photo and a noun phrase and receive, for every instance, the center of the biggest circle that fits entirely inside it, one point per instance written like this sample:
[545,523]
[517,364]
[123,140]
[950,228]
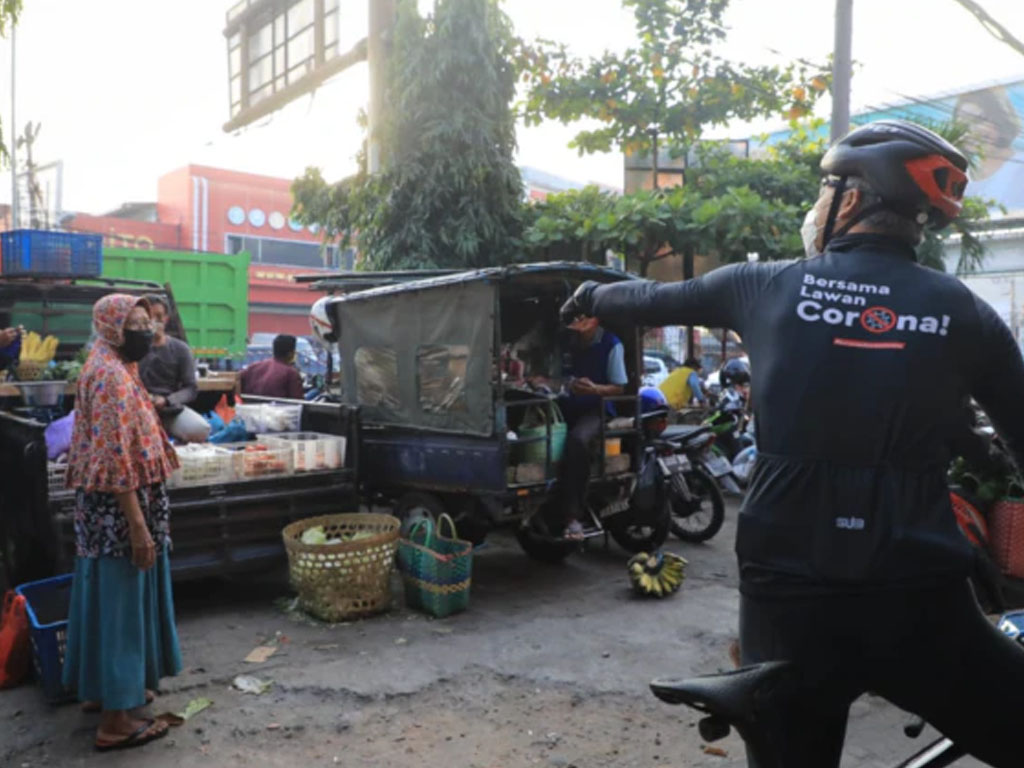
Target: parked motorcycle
[698,507]
[687,468]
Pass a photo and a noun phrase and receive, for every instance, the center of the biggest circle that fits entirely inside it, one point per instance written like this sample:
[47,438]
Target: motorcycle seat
[732,695]
[684,432]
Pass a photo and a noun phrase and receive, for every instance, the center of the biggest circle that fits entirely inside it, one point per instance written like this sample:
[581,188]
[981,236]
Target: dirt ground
[549,667]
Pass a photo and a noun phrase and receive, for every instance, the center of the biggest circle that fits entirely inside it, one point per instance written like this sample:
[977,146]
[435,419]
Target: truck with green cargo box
[211,292]
[225,526]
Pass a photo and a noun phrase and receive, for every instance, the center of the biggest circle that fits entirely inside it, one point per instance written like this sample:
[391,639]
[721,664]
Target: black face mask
[136,345]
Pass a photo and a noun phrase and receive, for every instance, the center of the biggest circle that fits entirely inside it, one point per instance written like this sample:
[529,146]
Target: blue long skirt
[121,633]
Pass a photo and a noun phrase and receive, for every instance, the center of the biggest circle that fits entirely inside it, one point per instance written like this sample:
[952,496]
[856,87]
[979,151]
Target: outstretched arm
[719,299]
[999,382]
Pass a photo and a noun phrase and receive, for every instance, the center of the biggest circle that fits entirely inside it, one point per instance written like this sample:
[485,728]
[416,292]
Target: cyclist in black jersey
[851,562]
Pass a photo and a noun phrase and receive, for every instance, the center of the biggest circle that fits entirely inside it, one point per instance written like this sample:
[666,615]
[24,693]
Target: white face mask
[809,234]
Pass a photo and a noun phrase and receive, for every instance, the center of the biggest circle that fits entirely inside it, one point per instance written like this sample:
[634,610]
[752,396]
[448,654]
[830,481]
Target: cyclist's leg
[962,675]
[809,729]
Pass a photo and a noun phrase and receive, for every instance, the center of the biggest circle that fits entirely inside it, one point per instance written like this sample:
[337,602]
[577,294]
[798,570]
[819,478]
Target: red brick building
[200,208]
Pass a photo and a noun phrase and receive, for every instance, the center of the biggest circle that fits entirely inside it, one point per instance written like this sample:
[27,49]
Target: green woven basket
[437,570]
[536,453]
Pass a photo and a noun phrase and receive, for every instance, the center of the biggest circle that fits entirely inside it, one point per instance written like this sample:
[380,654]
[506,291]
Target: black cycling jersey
[862,363]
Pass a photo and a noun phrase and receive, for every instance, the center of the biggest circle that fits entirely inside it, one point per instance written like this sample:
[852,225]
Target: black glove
[579,304]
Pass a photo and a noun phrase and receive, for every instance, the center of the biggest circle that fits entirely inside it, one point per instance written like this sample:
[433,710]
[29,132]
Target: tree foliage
[729,207]
[671,85]
[450,194]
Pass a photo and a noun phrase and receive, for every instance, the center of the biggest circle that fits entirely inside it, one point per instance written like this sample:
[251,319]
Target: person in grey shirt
[169,375]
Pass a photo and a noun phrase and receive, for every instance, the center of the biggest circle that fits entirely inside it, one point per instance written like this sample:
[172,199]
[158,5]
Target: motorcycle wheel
[700,519]
[640,538]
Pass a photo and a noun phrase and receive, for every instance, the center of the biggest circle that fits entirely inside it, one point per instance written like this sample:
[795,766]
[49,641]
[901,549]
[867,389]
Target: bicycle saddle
[730,695]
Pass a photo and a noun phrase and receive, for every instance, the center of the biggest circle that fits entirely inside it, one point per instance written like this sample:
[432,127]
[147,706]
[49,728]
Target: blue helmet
[652,400]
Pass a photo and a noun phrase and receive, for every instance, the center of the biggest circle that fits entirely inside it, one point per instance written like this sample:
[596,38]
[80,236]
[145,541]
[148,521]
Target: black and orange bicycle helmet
[916,172]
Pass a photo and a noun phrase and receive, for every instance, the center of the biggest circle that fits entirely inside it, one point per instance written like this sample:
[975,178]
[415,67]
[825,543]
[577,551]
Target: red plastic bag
[15,646]
[225,411]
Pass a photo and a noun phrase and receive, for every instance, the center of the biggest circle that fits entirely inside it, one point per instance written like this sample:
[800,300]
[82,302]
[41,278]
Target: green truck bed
[211,291]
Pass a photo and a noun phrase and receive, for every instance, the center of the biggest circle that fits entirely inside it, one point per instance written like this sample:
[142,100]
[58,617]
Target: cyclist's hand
[579,304]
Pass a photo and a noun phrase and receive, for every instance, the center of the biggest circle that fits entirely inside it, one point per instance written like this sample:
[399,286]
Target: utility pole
[14,145]
[378,43]
[842,69]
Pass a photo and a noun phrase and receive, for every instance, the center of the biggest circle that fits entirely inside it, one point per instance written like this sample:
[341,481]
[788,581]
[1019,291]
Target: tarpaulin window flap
[377,377]
[441,369]
[442,340]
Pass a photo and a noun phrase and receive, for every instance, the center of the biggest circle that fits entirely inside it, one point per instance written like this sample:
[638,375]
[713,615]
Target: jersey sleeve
[998,382]
[721,298]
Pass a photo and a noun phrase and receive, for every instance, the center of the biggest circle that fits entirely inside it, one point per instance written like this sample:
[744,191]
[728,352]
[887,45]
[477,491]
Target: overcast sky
[129,89]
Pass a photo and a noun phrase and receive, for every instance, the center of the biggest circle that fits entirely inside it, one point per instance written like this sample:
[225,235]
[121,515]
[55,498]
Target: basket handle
[446,518]
[556,413]
[428,524]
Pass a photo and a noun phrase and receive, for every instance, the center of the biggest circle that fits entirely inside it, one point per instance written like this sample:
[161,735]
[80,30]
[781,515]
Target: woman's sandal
[150,730]
[94,706]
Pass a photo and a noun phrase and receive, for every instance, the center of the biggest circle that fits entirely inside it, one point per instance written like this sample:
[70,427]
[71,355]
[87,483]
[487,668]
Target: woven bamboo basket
[336,582]
[30,370]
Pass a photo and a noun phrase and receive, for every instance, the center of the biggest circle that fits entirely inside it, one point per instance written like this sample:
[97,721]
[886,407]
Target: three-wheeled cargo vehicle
[446,370]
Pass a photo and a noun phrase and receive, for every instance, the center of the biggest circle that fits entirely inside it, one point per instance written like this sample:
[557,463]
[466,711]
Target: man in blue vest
[597,368]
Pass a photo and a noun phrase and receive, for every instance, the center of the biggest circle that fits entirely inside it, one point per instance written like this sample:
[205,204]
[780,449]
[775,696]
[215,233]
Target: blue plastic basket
[57,254]
[47,603]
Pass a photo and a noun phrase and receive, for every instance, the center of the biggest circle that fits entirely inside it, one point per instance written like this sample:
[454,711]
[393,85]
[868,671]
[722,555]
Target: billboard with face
[994,118]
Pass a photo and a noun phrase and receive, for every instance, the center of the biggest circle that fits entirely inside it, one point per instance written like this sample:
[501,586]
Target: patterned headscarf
[110,314]
[118,443]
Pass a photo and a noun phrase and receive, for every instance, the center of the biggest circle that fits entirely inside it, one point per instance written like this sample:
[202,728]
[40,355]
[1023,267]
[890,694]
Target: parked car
[670,362]
[655,371]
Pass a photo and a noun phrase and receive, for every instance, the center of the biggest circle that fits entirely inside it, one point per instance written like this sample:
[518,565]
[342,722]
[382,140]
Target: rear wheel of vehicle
[701,518]
[634,536]
[539,545]
[416,506]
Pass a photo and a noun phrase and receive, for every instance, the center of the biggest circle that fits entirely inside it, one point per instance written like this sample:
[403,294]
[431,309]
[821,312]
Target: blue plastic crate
[55,254]
[47,603]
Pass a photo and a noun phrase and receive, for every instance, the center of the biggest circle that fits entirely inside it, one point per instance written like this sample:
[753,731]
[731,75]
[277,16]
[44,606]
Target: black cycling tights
[929,651]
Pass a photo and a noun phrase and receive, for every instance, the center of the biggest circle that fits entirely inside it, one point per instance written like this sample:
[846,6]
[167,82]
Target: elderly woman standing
[121,634]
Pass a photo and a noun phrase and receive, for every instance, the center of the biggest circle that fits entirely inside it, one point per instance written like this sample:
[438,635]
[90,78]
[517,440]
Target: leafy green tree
[729,207]
[666,90]
[450,194]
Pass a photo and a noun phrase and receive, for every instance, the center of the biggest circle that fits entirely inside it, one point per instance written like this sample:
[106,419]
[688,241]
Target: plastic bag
[216,422]
[58,436]
[225,411]
[234,432]
[15,645]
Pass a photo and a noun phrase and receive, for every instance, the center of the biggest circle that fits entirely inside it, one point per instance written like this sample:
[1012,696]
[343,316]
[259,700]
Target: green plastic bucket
[536,453]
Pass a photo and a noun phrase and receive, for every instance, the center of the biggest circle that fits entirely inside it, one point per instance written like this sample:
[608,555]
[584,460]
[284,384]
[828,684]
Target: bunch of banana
[35,349]
[659,574]
[36,354]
